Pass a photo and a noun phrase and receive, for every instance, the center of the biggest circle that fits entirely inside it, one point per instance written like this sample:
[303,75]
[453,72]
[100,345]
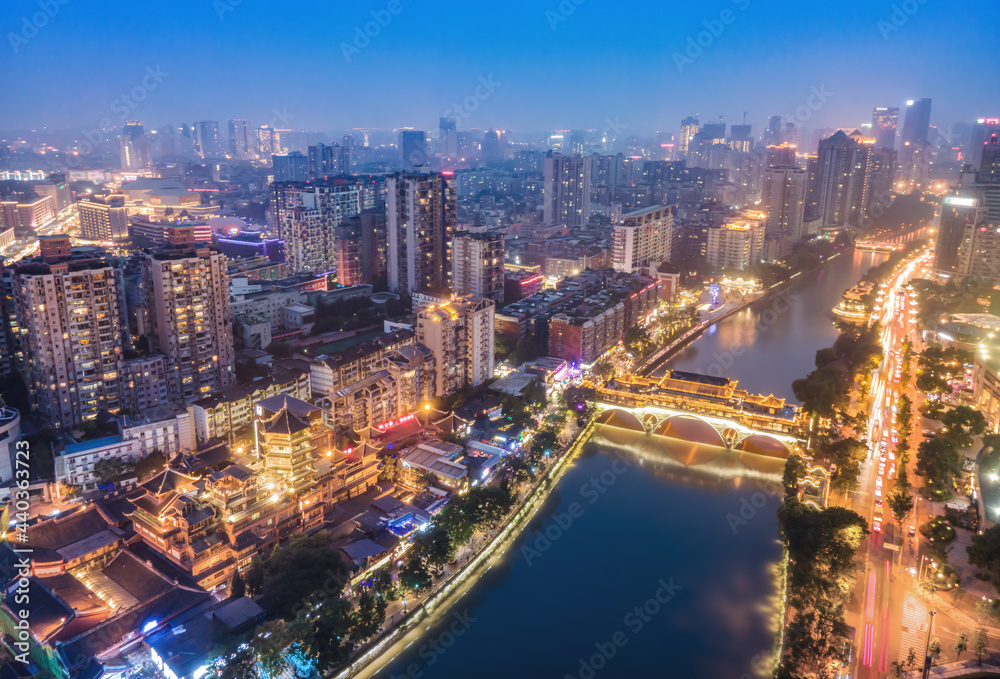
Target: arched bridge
[697,428]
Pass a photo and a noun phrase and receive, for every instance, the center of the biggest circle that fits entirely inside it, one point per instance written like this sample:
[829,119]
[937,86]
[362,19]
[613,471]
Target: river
[638,566]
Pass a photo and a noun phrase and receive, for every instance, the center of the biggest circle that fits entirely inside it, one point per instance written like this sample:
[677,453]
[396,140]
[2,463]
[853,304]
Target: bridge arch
[620,426]
[762,452]
[690,427]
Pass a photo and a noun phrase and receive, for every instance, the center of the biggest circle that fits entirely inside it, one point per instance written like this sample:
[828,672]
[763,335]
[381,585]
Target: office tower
[962,211]
[989,161]
[915,138]
[68,303]
[493,143]
[448,137]
[916,124]
[288,434]
[135,151]
[361,243]
[850,172]
[241,145]
[884,126]
[307,216]
[708,136]
[460,335]
[643,237]
[413,149]
[327,161]
[567,189]
[773,135]
[689,128]
[207,143]
[267,143]
[103,218]
[421,213]
[186,314]
[982,130]
[293,167]
[741,138]
[477,258]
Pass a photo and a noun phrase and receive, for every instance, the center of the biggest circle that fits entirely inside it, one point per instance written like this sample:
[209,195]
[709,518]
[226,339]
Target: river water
[638,566]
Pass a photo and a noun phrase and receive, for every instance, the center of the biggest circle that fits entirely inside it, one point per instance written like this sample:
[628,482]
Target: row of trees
[820,547]
[939,460]
[113,468]
[826,391]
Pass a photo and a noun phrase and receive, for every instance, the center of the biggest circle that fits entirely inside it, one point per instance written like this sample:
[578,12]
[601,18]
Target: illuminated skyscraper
[307,216]
[884,121]
[783,198]
[207,143]
[186,315]
[567,190]
[69,307]
[689,128]
[135,151]
[477,264]
[241,145]
[421,214]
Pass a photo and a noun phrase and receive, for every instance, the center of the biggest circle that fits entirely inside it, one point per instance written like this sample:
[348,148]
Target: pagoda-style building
[290,433]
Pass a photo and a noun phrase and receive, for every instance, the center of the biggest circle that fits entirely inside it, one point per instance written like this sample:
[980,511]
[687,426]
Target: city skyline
[567,80]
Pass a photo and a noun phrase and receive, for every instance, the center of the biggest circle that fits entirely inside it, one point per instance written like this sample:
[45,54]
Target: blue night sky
[605,61]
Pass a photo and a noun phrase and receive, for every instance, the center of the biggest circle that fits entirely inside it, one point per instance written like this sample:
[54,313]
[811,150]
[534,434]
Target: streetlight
[927,646]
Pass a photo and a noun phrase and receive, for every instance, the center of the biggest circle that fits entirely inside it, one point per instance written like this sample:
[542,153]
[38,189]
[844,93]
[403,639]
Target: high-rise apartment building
[642,237]
[267,141]
[852,175]
[207,142]
[186,314]
[413,149]
[360,243]
[460,335]
[493,147]
[979,253]
[448,137]
[135,151]
[241,141]
[421,214]
[962,212]
[327,161]
[567,189]
[689,128]
[783,198]
[68,303]
[307,216]
[731,245]
[884,119]
[989,161]
[293,167]
[103,218]
[477,257]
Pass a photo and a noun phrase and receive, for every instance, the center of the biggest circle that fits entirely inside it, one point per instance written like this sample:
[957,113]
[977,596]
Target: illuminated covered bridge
[702,409]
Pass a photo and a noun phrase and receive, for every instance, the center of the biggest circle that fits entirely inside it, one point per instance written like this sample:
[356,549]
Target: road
[67,221]
[889,613]
[877,609]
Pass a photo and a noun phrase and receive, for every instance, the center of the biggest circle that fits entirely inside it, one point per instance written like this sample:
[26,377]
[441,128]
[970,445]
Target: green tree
[934,651]
[823,392]
[369,617]
[306,565]
[110,469]
[150,464]
[961,645]
[270,641]
[237,587]
[414,576]
[240,664]
[901,503]
[322,628]
[962,423]
[980,643]
[985,552]
[389,469]
[795,471]
[911,658]
[939,461]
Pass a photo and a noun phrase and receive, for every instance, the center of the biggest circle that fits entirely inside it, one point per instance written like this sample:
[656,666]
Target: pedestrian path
[915,619]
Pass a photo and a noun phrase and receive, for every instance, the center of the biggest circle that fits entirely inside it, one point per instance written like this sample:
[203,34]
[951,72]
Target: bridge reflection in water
[689,442]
